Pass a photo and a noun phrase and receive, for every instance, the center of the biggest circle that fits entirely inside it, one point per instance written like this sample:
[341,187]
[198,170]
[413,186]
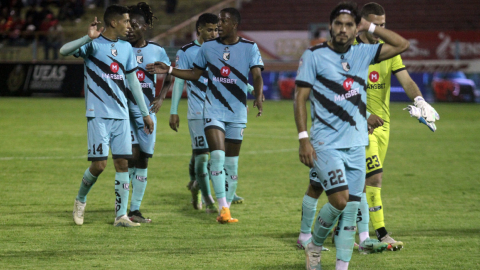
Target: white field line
[155,155]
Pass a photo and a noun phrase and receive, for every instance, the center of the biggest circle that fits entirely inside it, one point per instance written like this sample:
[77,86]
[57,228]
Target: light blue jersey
[338,97]
[106,64]
[228,68]
[196,90]
[151,53]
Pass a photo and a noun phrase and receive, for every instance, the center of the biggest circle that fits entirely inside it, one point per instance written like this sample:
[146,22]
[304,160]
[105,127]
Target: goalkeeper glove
[428,112]
[417,112]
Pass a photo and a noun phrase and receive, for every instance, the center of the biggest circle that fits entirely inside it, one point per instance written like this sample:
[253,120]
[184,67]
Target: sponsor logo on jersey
[349,94]
[224,80]
[114,67]
[139,59]
[376,86]
[374,76]
[225,71]
[140,75]
[347,84]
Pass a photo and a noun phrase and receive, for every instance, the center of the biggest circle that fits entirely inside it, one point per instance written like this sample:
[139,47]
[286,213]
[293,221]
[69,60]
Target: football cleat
[302,245]
[392,244]
[196,194]
[237,199]
[313,255]
[369,246]
[211,208]
[124,221]
[225,217]
[78,211]
[136,216]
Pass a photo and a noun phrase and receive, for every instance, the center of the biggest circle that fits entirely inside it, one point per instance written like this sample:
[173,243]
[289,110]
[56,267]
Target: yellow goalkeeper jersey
[379,82]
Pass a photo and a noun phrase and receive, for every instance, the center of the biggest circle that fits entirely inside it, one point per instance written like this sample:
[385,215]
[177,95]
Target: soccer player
[207,29]
[229,59]
[337,73]
[109,61]
[378,103]
[141,18]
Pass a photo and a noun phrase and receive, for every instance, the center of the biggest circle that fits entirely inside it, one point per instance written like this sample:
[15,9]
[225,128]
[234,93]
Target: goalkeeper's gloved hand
[428,112]
[417,112]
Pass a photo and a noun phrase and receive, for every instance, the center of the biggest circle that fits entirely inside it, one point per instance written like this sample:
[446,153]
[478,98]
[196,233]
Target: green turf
[430,193]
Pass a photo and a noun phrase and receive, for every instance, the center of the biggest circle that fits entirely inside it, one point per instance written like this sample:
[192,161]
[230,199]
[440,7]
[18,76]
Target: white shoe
[124,221]
[313,255]
[78,211]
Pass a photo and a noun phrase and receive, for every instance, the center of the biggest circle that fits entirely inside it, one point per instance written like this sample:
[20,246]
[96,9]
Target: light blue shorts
[105,134]
[145,141]
[197,134]
[341,169]
[233,131]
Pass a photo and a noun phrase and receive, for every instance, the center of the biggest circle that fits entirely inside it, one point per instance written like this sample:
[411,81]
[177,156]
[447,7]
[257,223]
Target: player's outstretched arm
[394,43]
[258,88]
[186,74]
[72,47]
[177,91]
[158,101]
[410,87]
[306,152]
[137,92]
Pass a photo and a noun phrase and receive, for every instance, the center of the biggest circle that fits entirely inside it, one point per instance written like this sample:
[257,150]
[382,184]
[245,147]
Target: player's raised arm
[258,88]
[394,43]
[72,47]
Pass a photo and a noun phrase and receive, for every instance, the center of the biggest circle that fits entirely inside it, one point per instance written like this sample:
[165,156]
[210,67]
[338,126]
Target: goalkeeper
[378,103]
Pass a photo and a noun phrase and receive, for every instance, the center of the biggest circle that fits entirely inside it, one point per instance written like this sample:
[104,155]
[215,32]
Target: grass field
[430,193]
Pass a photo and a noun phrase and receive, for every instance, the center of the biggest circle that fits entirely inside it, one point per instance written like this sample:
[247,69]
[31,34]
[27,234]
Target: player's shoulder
[124,43]
[244,40]
[188,46]
[151,43]
[318,47]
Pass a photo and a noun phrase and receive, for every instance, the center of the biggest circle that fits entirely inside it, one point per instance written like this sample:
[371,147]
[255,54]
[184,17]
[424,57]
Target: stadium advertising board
[47,79]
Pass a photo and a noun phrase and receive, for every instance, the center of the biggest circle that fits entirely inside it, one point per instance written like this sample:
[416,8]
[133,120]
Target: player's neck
[200,40]
[110,34]
[140,43]
[338,48]
[230,39]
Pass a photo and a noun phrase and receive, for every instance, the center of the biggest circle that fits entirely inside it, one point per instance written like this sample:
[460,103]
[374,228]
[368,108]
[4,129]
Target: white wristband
[170,70]
[371,29]
[302,135]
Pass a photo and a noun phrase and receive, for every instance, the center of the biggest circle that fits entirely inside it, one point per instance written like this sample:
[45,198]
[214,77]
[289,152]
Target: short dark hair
[144,10]
[112,12]
[206,18]
[345,8]
[372,8]
[234,13]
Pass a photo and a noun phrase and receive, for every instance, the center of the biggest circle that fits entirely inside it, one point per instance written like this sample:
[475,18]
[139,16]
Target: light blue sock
[231,179]
[131,172]
[121,193]
[345,238]
[87,182]
[309,208]
[327,216]
[139,184]
[217,161]
[201,174]
[363,215]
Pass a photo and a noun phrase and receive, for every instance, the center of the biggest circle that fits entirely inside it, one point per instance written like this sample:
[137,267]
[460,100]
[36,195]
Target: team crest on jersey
[226,54]
[346,66]
[114,52]
[176,60]
[139,59]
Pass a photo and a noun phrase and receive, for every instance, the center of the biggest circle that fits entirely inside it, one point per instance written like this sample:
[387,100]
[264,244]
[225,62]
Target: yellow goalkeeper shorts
[377,149]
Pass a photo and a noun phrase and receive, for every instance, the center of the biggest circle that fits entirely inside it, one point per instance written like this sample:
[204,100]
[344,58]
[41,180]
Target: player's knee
[314,191]
[217,160]
[98,167]
[374,180]
[121,165]
[338,200]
